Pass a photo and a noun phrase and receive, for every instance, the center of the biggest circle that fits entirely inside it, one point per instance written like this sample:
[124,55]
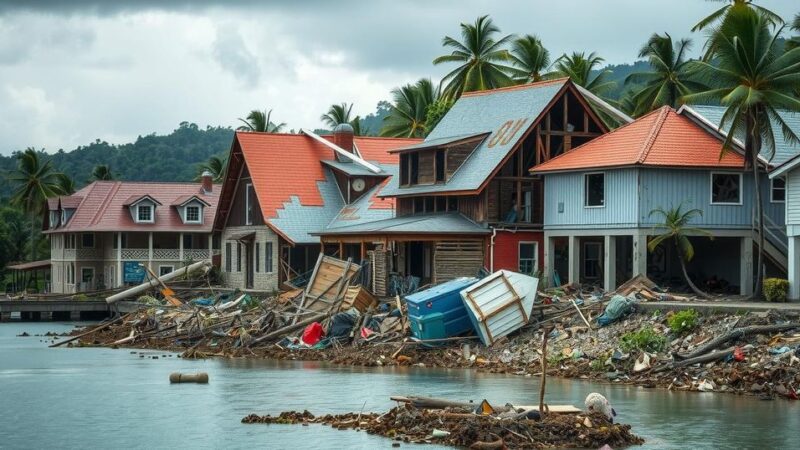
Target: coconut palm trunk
[755,142]
[689,281]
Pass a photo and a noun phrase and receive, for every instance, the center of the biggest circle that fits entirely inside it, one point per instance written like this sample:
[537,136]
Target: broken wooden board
[327,283]
[359,298]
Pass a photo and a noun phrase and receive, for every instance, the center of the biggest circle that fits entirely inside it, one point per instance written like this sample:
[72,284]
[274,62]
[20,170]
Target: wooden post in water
[547,331]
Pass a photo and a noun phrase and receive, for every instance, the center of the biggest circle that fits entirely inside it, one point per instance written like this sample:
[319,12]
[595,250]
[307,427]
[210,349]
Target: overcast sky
[75,71]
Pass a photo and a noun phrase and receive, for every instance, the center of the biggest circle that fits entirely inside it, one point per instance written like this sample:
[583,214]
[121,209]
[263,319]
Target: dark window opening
[268,257]
[428,204]
[419,205]
[778,190]
[440,169]
[257,256]
[87,240]
[414,168]
[188,241]
[441,204]
[594,185]
[725,188]
[228,257]
[238,256]
[452,203]
[404,169]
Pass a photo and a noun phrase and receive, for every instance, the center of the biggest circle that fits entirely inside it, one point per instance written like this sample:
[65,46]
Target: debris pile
[462,426]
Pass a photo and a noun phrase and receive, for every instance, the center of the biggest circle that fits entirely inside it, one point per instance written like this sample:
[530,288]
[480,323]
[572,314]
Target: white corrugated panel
[500,303]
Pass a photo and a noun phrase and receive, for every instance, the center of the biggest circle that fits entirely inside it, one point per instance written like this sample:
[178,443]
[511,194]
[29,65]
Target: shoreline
[574,353]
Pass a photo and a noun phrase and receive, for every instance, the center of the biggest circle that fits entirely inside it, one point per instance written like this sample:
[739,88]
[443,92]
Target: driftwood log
[288,329]
[714,356]
[735,334]
[93,330]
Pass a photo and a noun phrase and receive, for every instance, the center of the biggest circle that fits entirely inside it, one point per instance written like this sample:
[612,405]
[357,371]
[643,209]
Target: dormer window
[66,214]
[53,219]
[144,213]
[192,214]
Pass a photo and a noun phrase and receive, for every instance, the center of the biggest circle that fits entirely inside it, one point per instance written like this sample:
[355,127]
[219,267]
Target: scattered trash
[617,308]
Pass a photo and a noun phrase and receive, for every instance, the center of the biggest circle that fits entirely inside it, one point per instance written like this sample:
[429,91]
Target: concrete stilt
[746,266]
[794,267]
[639,254]
[574,259]
[610,263]
[549,260]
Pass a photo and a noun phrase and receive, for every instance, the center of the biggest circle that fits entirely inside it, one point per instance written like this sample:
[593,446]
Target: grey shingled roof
[481,113]
[359,212]
[430,143]
[784,150]
[449,223]
[355,170]
[297,222]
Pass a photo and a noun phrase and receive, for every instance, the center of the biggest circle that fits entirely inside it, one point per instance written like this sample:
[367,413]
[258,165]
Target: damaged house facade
[464,197]
[597,218]
[108,226]
[281,189]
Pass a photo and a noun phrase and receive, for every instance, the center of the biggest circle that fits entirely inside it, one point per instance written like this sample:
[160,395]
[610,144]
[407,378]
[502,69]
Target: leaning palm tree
[670,79]
[581,68]
[676,222]
[409,112]
[35,181]
[480,57]
[530,59]
[260,121]
[720,14]
[64,184]
[215,165]
[752,80]
[101,172]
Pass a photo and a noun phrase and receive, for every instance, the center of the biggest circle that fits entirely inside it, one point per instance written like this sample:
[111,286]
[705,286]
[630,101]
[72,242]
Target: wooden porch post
[150,250]
[119,259]
[341,250]
[180,247]
[363,250]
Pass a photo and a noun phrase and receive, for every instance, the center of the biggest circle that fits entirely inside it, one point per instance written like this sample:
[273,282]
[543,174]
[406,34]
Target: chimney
[206,180]
[343,136]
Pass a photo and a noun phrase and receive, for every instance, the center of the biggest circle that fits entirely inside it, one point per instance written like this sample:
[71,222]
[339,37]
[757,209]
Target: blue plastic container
[439,312]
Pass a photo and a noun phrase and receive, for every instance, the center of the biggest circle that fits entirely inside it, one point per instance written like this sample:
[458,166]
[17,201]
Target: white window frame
[87,268]
[152,213]
[772,190]
[199,214]
[162,266]
[711,189]
[535,255]
[268,249]
[586,190]
[64,217]
[53,219]
[248,219]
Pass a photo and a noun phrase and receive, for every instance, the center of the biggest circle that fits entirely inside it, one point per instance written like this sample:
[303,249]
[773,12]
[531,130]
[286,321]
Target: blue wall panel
[620,208]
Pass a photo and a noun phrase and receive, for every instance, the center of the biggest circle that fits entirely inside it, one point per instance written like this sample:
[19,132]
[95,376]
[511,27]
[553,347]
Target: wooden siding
[426,169]
[630,195]
[793,197]
[457,154]
[453,259]
[236,217]
[620,210]
[473,206]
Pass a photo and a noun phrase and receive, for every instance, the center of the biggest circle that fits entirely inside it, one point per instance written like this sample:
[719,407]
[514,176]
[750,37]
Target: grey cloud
[232,55]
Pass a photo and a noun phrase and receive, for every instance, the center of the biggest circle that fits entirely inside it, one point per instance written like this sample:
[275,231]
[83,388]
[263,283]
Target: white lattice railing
[84,253]
[170,254]
[69,253]
[136,254]
[195,254]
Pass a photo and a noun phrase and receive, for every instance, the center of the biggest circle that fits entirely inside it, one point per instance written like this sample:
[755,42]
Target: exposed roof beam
[604,105]
[342,152]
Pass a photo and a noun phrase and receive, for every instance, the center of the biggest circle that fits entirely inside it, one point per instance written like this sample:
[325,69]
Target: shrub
[683,321]
[647,340]
[776,289]
[81,297]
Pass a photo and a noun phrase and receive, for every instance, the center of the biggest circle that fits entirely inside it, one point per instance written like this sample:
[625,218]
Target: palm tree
[676,222]
[215,165]
[794,41]
[480,59]
[64,184]
[579,67]
[753,81]
[721,13]
[409,112]
[35,182]
[260,121]
[337,114]
[530,59]
[101,172]
[670,79]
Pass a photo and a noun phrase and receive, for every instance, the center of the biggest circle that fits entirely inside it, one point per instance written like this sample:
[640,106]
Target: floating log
[199,377]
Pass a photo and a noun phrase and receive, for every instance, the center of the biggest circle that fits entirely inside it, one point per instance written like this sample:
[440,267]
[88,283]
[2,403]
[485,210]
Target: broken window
[440,169]
[594,189]
[726,188]
[778,190]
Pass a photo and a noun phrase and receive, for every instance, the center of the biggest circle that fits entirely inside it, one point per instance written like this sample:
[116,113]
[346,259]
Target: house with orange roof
[464,197]
[280,190]
[600,197]
[103,235]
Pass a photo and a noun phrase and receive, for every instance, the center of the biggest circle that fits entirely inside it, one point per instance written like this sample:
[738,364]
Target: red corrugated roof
[286,165]
[660,138]
[101,206]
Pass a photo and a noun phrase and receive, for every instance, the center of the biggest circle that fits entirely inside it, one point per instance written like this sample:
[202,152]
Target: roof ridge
[536,84]
[655,130]
[102,209]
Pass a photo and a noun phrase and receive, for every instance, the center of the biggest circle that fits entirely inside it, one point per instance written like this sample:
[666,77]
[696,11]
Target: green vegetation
[683,321]
[101,172]
[408,116]
[646,340]
[261,122]
[776,289]
[676,221]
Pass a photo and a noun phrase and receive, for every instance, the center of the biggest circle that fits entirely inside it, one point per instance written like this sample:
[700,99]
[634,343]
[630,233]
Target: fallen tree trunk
[735,334]
[205,265]
[697,360]
[288,329]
